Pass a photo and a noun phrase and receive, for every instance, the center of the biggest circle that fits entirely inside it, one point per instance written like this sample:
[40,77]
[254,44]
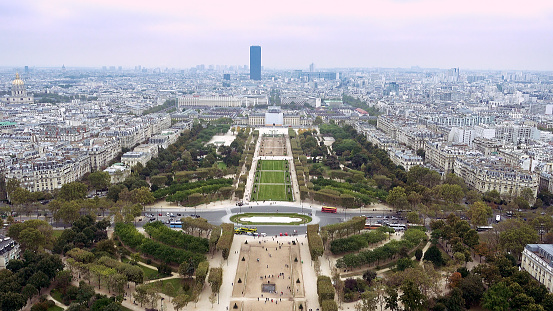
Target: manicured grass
[272,192]
[56,308]
[271,181]
[173,290]
[237,218]
[272,177]
[57,233]
[56,294]
[149,273]
[221,165]
[272,165]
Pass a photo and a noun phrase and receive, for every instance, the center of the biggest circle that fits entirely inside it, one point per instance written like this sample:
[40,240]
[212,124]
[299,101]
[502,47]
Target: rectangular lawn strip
[272,165]
[272,192]
[56,308]
[268,177]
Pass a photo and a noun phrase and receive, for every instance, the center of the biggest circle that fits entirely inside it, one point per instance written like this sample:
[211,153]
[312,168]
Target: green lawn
[171,287]
[272,192]
[271,181]
[221,165]
[57,233]
[55,308]
[268,177]
[149,273]
[272,165]
[56,294]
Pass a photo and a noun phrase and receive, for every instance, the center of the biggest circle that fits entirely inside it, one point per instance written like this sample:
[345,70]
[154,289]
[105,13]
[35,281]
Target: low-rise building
[118,172]
[9,249]
[132,158]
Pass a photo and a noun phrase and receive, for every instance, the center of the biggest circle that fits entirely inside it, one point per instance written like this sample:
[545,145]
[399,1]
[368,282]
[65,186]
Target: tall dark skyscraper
[255,62]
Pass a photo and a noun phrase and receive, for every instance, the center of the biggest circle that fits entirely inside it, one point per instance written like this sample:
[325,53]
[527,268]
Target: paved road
[222,214]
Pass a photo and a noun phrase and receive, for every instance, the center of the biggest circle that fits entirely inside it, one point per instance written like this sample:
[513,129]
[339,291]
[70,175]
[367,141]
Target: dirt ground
[268,261]
[272,146]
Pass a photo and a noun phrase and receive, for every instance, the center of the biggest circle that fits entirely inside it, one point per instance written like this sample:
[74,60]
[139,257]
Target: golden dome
[17,80]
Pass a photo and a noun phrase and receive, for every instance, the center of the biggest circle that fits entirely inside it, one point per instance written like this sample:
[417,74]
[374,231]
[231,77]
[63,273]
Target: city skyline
[498,35]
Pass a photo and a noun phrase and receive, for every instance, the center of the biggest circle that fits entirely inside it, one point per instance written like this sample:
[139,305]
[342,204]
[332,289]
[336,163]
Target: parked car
[160,214]
[178,214]
[195,216]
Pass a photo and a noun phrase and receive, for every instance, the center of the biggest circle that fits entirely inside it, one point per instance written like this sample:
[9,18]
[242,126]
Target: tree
[318,120]
[99,180]
[397,198]
[412,298]
[29,291]
[72,191]
[517,236]
[496,298]
[142,195]
[413,217]
[11,301]
[215,279]
[181,301]
[528,195]
[450,193]
[391,299]
[434,255]
[479,212]
[472,289]
[34,234]
[369,302]
[212,298]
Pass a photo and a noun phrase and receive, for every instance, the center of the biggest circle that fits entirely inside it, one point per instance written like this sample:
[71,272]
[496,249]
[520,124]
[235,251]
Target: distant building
[255,62]
[19,93]
[9,249]
[226,76]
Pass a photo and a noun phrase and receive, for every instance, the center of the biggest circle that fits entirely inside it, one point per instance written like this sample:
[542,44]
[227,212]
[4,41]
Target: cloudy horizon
[470,34]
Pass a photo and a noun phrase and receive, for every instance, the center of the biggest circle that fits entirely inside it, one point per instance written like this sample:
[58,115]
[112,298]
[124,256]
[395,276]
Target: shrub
[225,241]
[329,305]
[315,242]
[325,289]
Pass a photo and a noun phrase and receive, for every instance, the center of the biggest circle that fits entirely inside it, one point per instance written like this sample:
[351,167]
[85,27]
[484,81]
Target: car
[178,214]
[160,214]
[263,234]
[369,217]
[281,234]
[195,216]
[167,214]
[172,215]
[167,221]
[152,219]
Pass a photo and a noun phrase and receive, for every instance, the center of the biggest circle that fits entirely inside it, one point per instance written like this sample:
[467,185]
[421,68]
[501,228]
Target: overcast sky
[471,34]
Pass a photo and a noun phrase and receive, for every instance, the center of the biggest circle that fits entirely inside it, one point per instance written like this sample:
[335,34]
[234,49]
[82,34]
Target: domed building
[19,93]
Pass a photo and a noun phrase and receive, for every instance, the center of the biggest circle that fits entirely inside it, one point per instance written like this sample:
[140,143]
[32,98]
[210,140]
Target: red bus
[327,209]
[372,227]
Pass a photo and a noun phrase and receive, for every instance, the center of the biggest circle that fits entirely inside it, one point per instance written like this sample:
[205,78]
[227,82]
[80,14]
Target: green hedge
[225,241]
[329,305]
[412,238]
[160,232]
[315,241]
[134,239]
[325,289]
[357,242]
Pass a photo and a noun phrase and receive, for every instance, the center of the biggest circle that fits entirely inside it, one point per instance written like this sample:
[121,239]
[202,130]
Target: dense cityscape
[166,189]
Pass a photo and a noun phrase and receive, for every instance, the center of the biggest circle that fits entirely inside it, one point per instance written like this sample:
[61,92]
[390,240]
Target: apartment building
[537,259]
[442,155]
[486,174]
[118,172]
[132,158]
[405,158]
